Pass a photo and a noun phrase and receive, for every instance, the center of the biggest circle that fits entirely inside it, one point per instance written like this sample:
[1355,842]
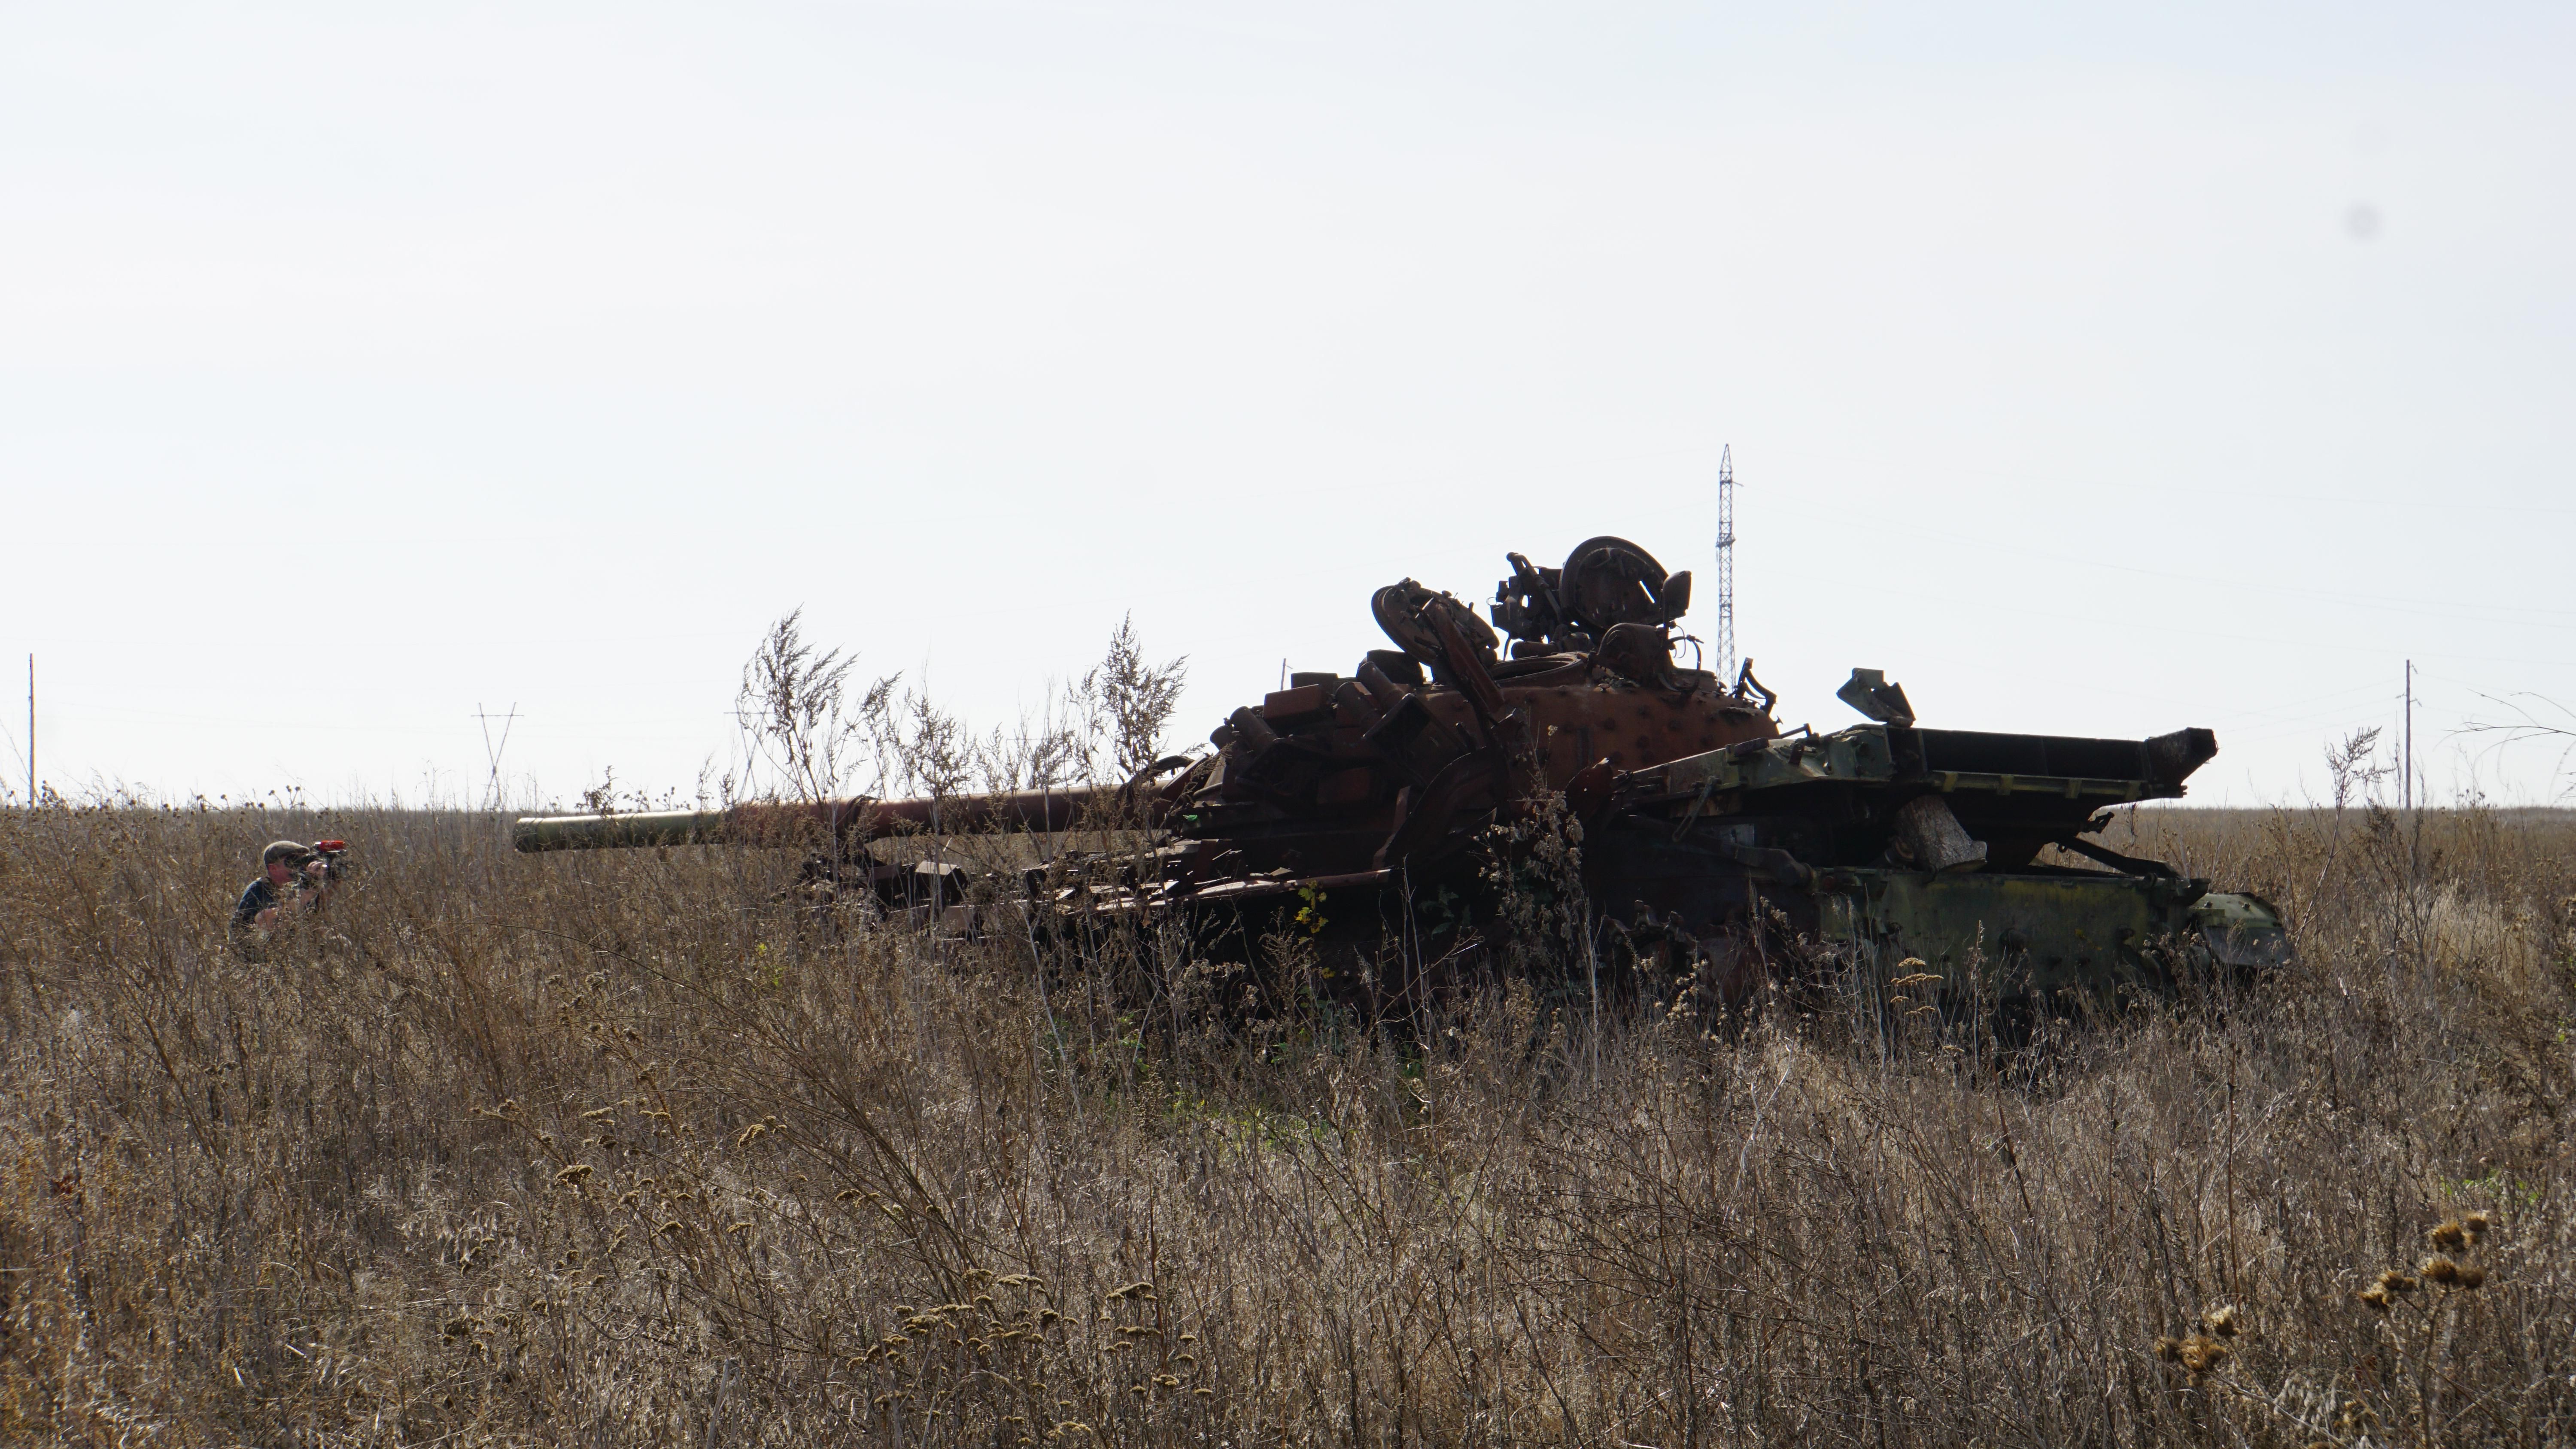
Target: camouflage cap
[285,850]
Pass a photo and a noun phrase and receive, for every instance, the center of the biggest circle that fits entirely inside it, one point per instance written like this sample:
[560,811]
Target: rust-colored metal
[856,820]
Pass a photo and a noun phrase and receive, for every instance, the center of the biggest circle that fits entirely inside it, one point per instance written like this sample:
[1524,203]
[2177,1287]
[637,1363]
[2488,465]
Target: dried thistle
[2448,1236]
[2438,1269]
[2472,1276]
[2169,1349]
[2396,1282]
[2375,1296]
[2200,1353]
[2225,1321]
[2478,1224]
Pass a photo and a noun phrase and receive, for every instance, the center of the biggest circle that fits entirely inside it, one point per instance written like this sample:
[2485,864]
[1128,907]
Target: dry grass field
[616,1149]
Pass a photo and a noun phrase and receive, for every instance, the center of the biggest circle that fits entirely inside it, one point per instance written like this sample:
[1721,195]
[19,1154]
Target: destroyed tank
[1707,840]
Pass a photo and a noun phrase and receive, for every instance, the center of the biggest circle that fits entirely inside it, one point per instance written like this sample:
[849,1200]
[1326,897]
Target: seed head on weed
[2198,1353]
[2201,1353]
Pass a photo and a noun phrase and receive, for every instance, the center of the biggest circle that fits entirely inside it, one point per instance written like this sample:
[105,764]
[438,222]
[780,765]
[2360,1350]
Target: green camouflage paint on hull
[2103,936]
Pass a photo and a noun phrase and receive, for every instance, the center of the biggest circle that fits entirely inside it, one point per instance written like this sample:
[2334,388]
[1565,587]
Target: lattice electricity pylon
[1726,661]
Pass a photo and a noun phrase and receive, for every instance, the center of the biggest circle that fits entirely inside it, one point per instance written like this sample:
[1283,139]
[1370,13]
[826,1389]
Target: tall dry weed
[624,1148]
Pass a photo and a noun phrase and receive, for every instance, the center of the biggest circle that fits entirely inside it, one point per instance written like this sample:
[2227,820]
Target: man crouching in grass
[285,863]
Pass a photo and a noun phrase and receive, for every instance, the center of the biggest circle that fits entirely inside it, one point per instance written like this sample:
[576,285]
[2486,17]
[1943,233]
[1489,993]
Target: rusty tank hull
[1372,810]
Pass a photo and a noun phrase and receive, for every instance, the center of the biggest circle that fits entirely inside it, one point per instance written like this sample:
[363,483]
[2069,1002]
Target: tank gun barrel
[605,832]
[850,821]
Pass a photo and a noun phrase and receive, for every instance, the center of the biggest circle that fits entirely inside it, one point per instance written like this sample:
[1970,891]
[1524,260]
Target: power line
[2414,607]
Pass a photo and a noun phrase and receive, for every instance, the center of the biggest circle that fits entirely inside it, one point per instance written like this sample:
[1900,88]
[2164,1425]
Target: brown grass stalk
[622,1148]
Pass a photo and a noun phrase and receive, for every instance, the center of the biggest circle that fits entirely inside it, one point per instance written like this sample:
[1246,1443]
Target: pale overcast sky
[360,365]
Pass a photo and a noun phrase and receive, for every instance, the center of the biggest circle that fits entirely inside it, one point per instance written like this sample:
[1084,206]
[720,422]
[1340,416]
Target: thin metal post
[2407,772]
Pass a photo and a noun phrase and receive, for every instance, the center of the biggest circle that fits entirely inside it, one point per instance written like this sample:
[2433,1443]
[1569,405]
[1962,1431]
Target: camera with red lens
[326,855]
